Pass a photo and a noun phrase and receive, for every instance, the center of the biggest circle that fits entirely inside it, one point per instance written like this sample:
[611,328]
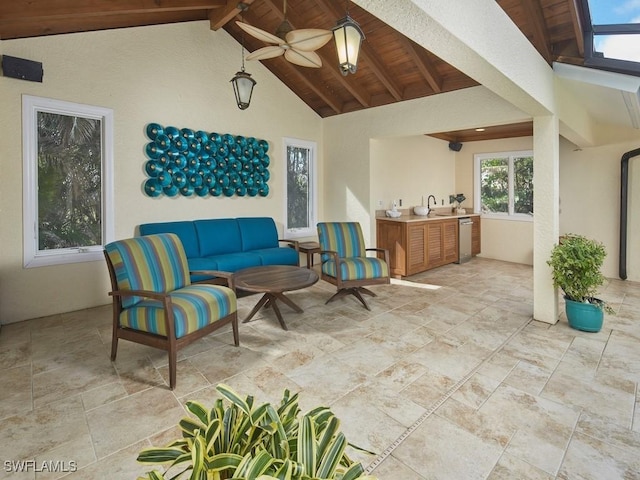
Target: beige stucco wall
[179,74]
[590,200]
[508,240]
[174,75]
[347,145]
[410,169]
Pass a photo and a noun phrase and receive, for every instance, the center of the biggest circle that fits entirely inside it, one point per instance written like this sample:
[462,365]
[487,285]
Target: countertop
[408,217]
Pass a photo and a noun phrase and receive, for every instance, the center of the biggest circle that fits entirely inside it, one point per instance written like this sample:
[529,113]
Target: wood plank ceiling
[391,68]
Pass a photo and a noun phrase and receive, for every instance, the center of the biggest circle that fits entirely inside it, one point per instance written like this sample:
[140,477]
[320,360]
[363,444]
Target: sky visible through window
[621,47]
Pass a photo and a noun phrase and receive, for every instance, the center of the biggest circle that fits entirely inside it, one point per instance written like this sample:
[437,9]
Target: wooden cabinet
[418,246]
[476,242]
[416,261]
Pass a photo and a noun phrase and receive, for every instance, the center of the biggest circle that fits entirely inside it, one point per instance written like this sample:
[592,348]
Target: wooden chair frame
[353,287]
[170,343]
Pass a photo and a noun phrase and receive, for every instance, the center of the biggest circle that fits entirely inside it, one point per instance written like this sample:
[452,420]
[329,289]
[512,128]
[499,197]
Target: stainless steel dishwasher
[465,224]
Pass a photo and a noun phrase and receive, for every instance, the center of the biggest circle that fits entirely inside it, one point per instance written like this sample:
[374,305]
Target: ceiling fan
[297,46]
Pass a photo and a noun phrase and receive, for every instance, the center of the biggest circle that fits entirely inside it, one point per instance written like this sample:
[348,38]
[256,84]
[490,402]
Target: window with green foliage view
[67,165]
[69,181]
[301,188]
[504,184]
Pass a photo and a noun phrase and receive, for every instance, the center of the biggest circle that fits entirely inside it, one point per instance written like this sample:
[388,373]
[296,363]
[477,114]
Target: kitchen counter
[417,243]
[406,217]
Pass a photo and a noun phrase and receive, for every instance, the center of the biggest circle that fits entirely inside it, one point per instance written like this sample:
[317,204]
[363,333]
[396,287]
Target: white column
[546,215]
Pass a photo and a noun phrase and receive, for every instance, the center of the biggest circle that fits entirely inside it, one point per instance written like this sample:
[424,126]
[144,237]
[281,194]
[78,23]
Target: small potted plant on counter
[576,262]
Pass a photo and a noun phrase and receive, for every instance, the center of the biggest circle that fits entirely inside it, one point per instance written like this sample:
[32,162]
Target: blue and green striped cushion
[343,237]
[153,262]
[194,307]
[359,268]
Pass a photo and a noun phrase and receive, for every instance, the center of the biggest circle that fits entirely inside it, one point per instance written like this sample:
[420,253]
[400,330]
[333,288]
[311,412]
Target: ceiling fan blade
[308,39]
[260,34]
[263,53]
[304,59]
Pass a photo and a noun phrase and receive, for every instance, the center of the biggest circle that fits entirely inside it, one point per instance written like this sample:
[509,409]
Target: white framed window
[504,185]
[301,200]
[68,181]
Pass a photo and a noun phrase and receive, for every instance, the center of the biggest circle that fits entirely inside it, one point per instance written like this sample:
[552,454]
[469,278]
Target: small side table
[309,248]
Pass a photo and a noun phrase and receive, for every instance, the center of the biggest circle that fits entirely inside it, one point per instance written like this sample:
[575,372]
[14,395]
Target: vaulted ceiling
[391,68]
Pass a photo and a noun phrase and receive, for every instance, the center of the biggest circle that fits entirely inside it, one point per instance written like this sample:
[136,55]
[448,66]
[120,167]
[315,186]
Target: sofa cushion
[257,233]
[231,262]
[185,230]
[218,236]
[278,256]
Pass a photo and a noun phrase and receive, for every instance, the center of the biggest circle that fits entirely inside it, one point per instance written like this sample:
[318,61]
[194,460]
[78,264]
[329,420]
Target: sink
[421,210]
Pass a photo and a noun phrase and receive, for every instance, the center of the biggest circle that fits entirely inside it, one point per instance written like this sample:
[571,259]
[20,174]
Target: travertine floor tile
[485,391]
[510,468]
[588,457]
[442,447]
[131,419]
[16,399]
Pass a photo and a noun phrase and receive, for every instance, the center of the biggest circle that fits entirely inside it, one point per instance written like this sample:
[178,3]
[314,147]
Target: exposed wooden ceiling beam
[220,17]
[349,84]
[428,72]
[315,86]
[28,18]
[578,29]
[367,55]
[31,10]
[22,29]
[533,12]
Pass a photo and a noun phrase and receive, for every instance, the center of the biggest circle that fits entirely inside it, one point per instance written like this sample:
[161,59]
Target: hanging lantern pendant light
[348,37]
[243,88]
[242,82]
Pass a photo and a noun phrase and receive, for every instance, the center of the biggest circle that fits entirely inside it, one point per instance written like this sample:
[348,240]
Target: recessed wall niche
[185,162]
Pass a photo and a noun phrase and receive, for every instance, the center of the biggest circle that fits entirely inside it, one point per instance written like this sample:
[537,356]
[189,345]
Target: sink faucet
[429,201]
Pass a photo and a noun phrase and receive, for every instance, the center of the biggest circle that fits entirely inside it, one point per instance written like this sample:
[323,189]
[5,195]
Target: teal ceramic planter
[584,316]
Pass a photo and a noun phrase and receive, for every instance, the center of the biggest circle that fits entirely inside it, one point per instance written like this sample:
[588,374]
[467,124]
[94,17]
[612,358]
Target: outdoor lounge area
[436,333]
[446,377]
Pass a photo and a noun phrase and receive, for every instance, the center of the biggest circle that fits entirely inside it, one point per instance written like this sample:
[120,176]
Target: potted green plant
[239,439]
[576,263]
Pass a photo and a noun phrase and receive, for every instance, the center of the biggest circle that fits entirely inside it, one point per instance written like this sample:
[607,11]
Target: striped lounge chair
[154,302]
[345,263]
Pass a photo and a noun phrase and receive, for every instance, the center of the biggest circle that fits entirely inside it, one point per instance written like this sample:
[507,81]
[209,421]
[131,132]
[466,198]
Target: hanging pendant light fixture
[243,88]
[348,37]
[242,82]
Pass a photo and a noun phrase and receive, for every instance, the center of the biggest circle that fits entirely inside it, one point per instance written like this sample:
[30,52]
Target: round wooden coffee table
[273,281]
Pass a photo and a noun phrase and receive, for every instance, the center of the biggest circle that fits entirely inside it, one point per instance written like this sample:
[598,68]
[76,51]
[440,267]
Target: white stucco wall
[172,74]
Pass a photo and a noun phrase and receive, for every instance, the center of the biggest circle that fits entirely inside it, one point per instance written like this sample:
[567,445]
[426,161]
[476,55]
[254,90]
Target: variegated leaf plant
[241,440]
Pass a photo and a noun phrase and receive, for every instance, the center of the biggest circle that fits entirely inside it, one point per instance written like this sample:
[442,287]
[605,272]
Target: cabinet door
[450,241]
[390,235]
[476,245]
[416,248]
[435,246]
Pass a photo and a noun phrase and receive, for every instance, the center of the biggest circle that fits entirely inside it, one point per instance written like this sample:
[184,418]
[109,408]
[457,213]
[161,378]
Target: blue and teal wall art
[187,162]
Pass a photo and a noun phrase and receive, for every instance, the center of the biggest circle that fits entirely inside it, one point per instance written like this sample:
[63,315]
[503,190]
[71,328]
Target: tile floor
[453,380]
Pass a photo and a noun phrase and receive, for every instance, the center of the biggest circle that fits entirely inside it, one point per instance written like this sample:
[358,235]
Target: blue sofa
[228,244]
